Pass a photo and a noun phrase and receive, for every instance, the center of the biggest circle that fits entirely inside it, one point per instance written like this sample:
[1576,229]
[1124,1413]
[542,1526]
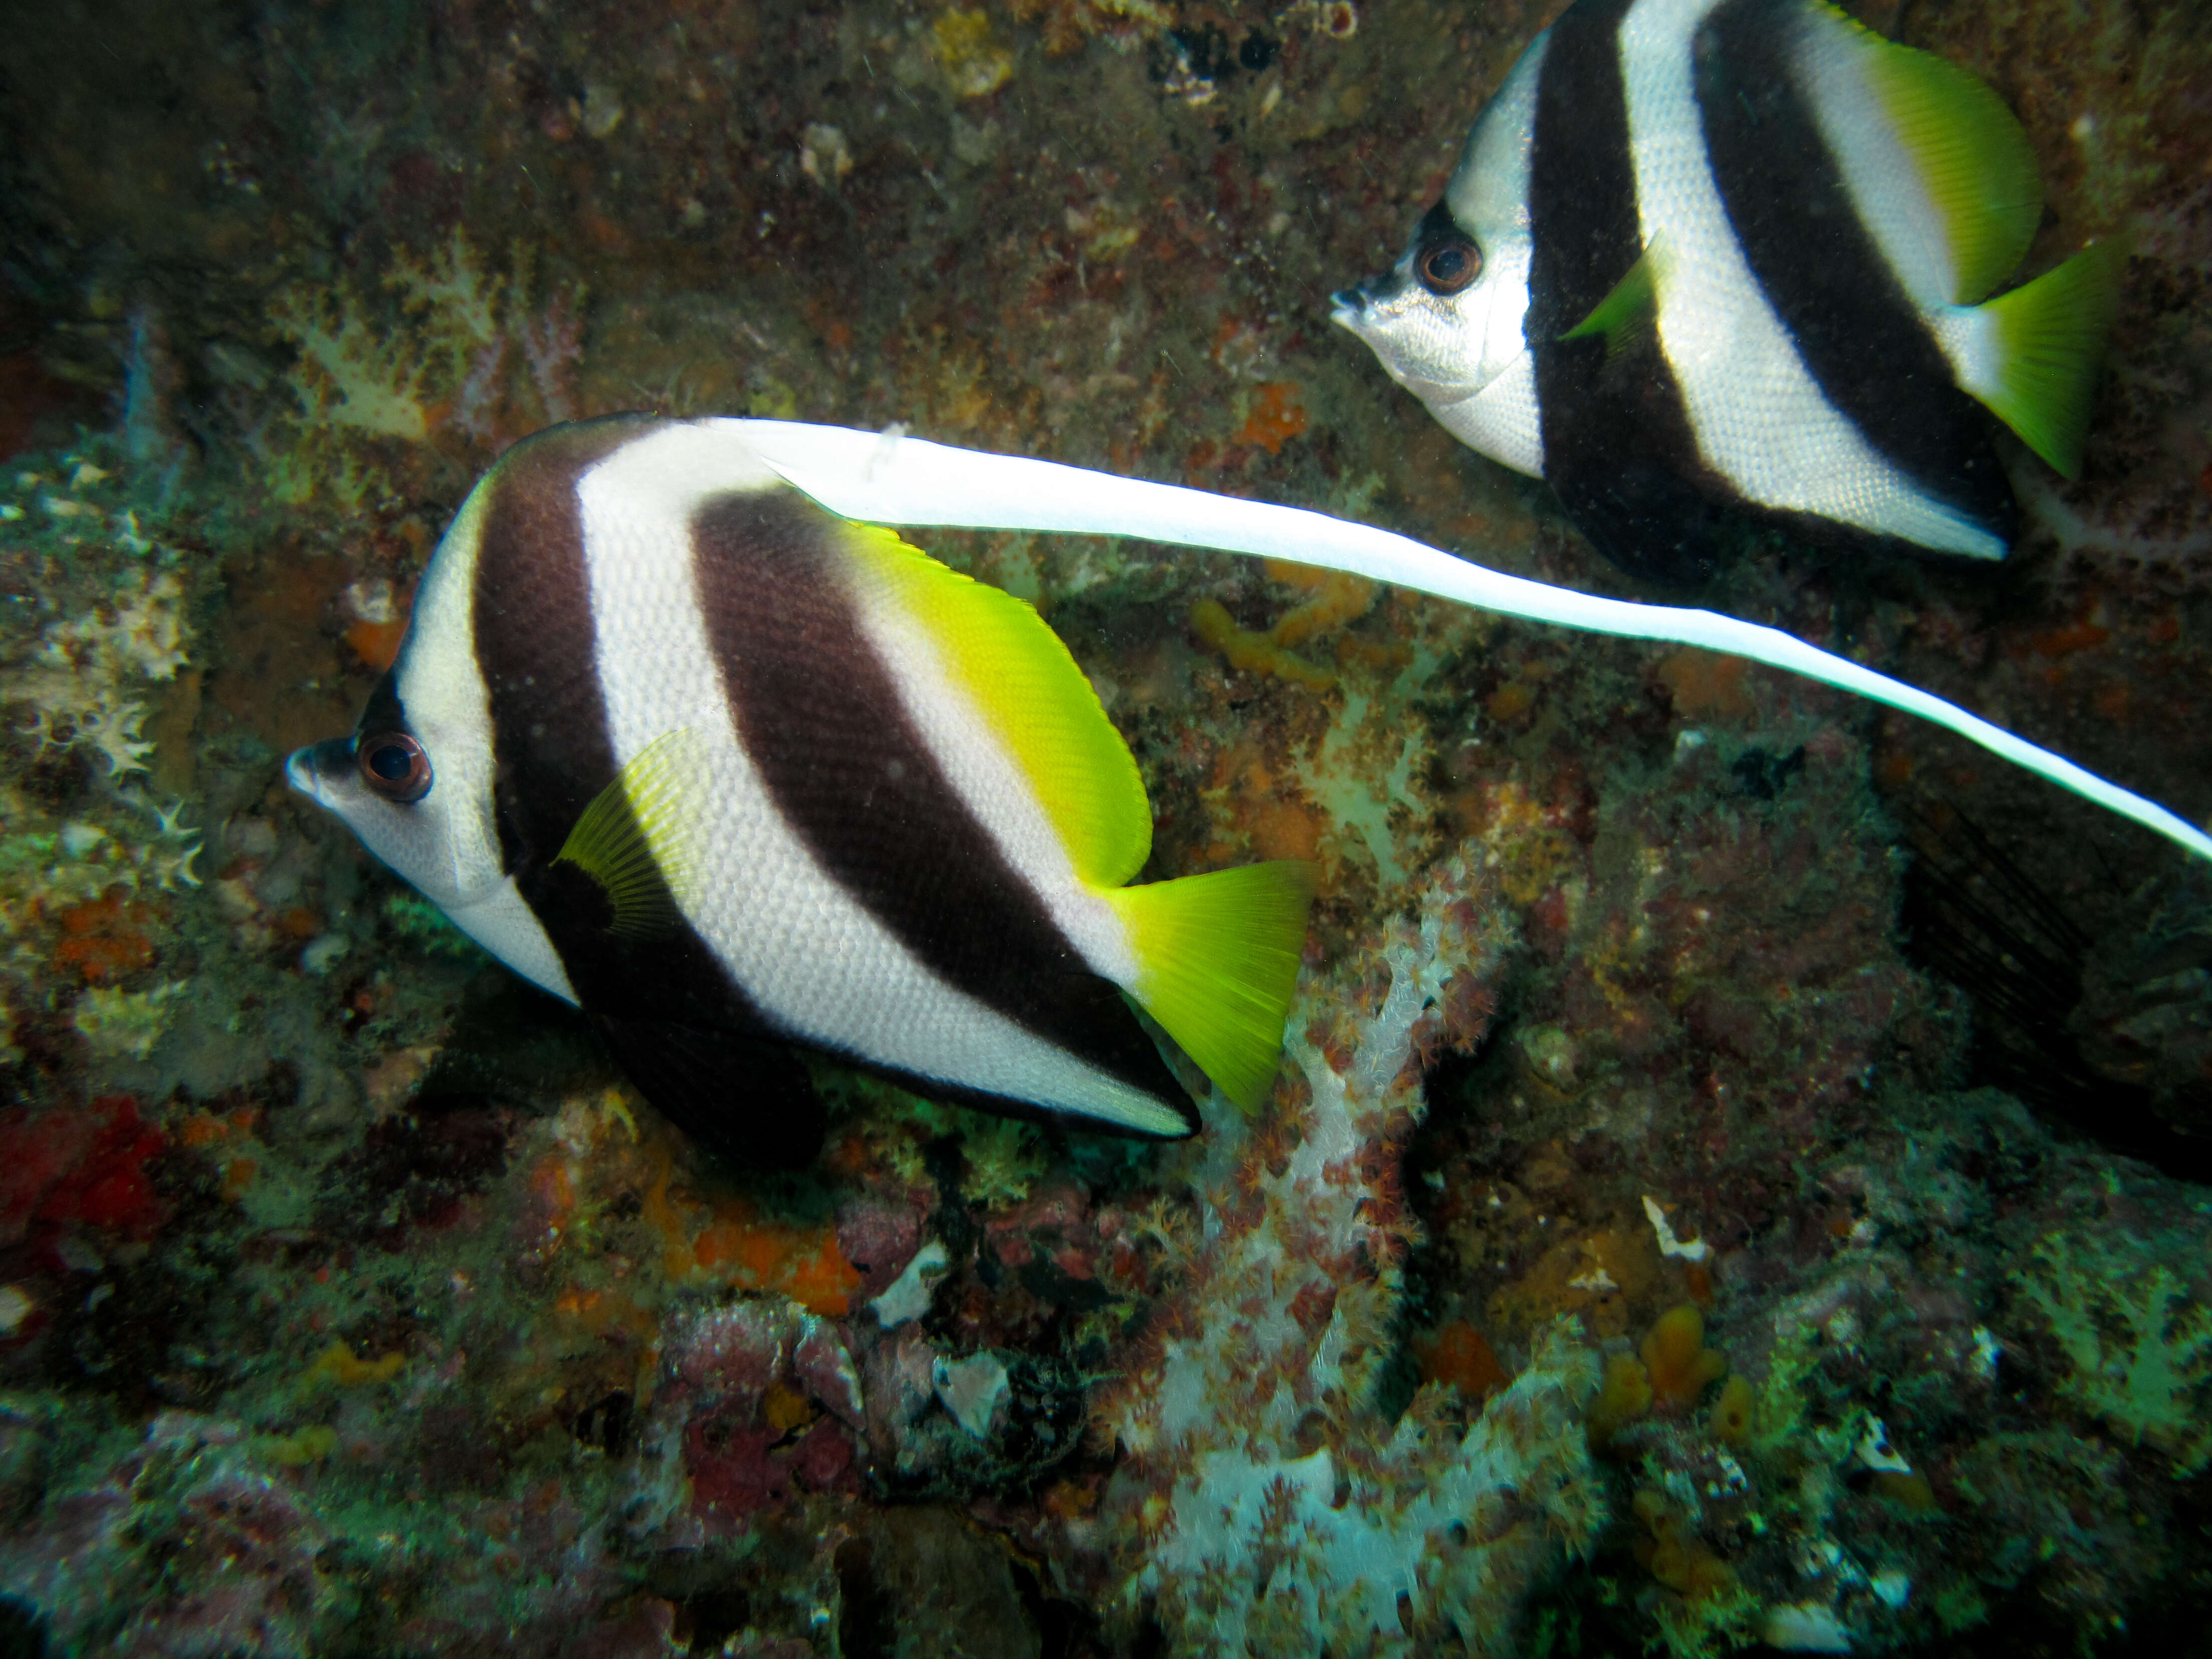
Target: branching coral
[1265,1505]
[1065,24]
[450,361]
[119,1022]
[355,375]
[2141,1347]
[78,679]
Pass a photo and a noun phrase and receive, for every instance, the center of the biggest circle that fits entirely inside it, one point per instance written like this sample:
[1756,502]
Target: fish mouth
[1367,308]
[305,769]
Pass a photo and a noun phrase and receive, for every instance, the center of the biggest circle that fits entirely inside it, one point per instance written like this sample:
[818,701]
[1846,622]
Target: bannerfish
[682,735]
[1704,259]
[734,773]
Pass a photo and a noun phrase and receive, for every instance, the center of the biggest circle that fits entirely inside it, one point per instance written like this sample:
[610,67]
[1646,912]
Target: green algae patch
[338,1364]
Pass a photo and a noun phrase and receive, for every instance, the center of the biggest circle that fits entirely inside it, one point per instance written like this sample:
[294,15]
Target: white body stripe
[451,713]
[1760,418]
[808,956]
[1880,175]
[1502,419]
[448,844]
[504,924]
[1466,354]
[990,785]
[1968,337]
[1488,196]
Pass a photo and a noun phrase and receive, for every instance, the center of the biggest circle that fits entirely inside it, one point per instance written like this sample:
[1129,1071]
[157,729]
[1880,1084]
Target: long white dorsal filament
[891,480]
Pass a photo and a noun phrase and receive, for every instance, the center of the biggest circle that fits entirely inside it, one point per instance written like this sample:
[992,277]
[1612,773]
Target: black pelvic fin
[748,1100]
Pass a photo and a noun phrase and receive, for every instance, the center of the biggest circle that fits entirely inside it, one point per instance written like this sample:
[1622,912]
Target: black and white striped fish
[676,739]
[732,772]
[1702,256]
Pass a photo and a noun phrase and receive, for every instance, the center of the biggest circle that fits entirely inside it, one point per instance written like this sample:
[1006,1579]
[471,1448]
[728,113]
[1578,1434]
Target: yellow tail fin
[1217,963]
[2049,336]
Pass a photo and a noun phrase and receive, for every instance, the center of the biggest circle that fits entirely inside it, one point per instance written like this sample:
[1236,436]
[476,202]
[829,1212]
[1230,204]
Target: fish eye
[1448,266]
[395,766]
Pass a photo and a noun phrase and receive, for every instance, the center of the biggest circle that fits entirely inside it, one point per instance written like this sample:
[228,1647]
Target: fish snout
[1366,307]
[1350,308]
[306,770]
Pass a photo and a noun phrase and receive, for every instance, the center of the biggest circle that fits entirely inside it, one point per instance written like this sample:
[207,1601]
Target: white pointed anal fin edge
[887,479]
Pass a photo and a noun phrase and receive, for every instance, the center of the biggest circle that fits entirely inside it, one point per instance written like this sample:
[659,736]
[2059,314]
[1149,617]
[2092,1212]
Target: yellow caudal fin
[638,839]
[1217,963]
[2036,369]
[1015,672]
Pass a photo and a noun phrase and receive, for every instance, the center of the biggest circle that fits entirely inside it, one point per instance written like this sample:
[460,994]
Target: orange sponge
[1674,1555]
[1729,1421]
[1624,1396]
[1676,1354]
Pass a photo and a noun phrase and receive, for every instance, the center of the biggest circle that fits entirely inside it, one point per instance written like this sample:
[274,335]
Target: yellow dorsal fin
[1630,307]
[638,838]
[1973,159]
[1016,672]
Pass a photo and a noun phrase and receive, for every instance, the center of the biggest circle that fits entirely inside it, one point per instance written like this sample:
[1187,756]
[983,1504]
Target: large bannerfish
[732,774]
[678,735]
[1701,256]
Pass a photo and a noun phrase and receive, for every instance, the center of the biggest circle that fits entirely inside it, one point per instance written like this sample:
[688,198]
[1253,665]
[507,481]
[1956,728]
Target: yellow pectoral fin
[1218,963]
[638,838]
[1014,671]
[1630,307]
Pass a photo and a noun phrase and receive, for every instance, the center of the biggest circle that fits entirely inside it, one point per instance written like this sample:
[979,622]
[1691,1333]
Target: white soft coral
[77,680]
[1264,1506]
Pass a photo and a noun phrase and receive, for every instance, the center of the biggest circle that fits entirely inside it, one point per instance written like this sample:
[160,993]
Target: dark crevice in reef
[2060,1014]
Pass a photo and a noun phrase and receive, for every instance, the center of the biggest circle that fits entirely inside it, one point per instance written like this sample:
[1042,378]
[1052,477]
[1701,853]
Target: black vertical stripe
[534,639]
[534,642]
[384,711]
[820,718]
[1618,443]
[1857,333]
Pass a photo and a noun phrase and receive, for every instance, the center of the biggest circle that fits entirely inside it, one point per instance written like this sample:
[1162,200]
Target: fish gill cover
[1737,1170]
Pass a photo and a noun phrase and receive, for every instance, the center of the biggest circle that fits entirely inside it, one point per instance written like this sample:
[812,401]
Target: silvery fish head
[414,778]
[1446,319]
[394,785]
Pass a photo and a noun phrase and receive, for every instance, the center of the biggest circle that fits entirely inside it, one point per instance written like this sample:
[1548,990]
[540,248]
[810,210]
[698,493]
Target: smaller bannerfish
[1702,257]
[732,772]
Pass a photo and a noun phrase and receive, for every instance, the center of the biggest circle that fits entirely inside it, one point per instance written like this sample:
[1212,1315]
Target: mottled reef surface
[1737,1172]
